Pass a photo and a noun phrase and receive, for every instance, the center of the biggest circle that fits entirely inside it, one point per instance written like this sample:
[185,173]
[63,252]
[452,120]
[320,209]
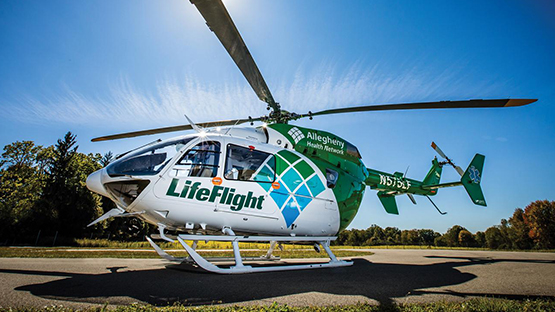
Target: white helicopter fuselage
[246,179]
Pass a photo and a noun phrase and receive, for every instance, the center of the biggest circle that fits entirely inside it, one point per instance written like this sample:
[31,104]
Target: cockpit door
[191,178]
[201,161]
[248,171]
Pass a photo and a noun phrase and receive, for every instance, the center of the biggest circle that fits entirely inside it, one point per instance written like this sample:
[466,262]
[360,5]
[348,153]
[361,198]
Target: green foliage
[21,182]
[531,228]
[43,189]
[466,239]
[428,236]
[67,205]
[440,241]
[480,238]
[376,236]
[392,235]
[452,235]
[495,238]
[519,234]
[540,218]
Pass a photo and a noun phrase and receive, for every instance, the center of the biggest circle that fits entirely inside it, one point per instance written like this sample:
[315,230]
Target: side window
[200,161]
[146,161]
[248,164]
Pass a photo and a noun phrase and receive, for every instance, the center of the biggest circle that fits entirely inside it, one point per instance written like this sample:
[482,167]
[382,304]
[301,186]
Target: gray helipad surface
[389,275]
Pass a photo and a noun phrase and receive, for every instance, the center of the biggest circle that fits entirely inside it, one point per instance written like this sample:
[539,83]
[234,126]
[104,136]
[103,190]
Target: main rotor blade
[173,129]
[428,105]
[218,20]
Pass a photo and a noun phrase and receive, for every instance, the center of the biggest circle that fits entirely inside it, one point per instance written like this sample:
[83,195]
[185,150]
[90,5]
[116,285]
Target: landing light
[202,134]
[264,125]
[218,129]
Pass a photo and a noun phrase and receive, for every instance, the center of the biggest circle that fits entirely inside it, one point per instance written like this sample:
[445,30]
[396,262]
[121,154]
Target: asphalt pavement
[390,275]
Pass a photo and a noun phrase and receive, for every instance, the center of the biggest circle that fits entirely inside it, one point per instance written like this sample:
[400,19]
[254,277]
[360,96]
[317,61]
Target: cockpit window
[200,161]
[148,160]
[248,164]
[353,150]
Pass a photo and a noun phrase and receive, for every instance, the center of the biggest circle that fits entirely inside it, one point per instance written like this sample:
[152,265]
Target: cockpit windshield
[148,160]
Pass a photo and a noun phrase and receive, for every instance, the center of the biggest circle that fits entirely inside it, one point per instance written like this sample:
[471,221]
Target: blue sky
[103,67]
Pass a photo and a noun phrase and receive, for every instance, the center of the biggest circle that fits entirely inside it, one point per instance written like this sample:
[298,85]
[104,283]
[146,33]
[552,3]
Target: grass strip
[7,252]
[104,243]
[472,305]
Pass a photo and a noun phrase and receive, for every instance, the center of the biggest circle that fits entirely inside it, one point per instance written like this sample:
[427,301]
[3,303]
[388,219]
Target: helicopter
[275,182]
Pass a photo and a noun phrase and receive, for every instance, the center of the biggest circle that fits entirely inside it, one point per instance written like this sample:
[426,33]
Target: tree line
[44,200]
[529,228]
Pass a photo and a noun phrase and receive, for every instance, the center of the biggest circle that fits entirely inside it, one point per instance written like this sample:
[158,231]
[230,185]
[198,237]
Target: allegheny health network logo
[296,134]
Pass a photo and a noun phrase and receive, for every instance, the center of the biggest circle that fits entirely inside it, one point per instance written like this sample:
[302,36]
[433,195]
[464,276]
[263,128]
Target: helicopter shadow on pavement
[380,281]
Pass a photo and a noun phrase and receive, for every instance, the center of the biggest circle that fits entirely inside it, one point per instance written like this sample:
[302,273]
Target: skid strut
[240,267]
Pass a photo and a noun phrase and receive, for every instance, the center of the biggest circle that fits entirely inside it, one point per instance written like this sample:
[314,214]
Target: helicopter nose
[94,183]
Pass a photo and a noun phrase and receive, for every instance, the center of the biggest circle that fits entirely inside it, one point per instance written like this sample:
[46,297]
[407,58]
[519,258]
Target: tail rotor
[448,160]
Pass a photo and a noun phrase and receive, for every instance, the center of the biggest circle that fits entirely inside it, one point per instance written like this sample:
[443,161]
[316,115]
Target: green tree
[480,238]
[466,239]
[20,186]
[496,238]
[392,235]
[505,229]
[106,159]
[440,241]
[67,205]
[376,234]
[451,237]
[355,238]
[540,217]
[410,237]
[428,236]
[341,238]
[519,231]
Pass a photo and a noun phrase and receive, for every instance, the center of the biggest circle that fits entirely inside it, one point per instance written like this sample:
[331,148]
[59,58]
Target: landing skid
[239,267]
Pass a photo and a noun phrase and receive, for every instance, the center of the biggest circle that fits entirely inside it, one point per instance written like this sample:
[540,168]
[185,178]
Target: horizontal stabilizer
[110,214]
[388,202]
[116,212]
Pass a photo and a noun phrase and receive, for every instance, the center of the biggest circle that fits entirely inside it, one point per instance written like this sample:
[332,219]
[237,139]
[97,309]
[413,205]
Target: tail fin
[434,175]
[471,180]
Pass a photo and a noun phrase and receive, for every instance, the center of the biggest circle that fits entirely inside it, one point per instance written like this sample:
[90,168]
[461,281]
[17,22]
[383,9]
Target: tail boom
[391,185]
